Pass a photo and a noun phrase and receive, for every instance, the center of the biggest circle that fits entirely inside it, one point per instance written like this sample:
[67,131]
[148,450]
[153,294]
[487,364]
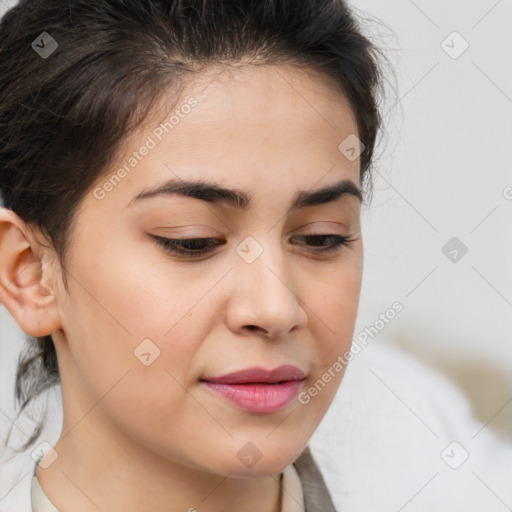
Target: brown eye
[337,242]
[189,247]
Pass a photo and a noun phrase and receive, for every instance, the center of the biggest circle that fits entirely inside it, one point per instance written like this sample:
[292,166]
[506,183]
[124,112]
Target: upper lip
[258,374]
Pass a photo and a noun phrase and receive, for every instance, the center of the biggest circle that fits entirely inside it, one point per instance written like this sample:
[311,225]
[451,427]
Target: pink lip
[259,390]
[258,374]
[262,398]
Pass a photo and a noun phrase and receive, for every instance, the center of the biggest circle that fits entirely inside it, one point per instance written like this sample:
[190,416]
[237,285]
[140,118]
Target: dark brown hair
[64,117]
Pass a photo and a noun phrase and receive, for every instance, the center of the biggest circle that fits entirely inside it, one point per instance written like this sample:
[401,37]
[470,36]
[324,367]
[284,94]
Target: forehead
[270,101]
[243,94]
[252,126]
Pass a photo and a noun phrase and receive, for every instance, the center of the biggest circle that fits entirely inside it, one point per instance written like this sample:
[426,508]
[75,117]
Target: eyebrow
[215,193]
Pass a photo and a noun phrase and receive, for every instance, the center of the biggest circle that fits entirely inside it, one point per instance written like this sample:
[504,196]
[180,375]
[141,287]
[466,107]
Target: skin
[139,437]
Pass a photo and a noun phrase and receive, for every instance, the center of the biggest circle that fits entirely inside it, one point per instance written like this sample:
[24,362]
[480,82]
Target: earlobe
[22,276]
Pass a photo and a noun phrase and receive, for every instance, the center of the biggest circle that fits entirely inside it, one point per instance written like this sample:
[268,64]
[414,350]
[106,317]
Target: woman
[181,241]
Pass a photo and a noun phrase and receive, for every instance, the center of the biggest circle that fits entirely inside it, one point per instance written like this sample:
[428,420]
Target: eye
[337,242]
[191,247]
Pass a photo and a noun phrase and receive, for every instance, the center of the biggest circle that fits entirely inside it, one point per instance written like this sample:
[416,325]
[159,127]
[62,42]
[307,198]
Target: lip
[258,398]
[257,374]
[258,390]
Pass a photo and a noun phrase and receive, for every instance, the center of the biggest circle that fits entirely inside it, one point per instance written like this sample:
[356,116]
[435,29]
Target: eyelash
[172,245]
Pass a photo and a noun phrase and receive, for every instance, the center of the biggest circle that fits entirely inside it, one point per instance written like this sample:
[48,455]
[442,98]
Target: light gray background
[444,167]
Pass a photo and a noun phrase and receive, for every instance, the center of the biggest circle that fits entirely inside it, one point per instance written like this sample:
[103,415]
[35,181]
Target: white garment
[40,502]
[292,494]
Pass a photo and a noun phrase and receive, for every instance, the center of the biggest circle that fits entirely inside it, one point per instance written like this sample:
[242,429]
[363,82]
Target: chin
[253,463]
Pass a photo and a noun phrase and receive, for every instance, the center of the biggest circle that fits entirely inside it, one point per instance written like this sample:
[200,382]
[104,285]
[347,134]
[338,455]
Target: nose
[265,296]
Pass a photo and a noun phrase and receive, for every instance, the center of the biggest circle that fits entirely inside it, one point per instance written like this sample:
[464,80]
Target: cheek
[125,313]
[334,302]
[332,334]
[133,347]
[332,317]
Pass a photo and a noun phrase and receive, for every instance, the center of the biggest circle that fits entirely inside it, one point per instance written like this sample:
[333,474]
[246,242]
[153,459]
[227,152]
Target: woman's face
[142,326]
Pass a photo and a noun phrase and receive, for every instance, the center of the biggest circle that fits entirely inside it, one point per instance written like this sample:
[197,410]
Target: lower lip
[260,398]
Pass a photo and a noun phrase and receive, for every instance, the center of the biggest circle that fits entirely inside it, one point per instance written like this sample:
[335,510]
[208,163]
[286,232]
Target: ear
[27,274]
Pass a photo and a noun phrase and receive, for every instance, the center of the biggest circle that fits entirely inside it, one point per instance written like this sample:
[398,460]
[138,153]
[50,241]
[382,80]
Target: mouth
[257,375]
[256,389]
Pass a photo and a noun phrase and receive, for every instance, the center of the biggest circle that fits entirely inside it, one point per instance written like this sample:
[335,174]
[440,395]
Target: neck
[95,472]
